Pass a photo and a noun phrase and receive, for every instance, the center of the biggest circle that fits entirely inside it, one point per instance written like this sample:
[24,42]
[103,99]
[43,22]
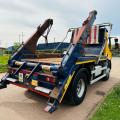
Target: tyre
[107,71]
[77,90]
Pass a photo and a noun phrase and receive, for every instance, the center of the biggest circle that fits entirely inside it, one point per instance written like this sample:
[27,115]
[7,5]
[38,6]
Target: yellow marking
[102,59]
[89,61]
[66,86]
[107,51]
[34,83]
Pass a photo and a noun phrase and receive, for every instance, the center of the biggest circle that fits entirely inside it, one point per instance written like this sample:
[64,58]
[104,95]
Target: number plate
[21,77]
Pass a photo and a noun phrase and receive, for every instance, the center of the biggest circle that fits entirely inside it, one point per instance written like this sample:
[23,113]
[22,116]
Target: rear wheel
[78,88]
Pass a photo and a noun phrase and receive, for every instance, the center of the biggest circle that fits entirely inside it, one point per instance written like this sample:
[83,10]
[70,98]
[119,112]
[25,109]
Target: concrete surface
[19,104]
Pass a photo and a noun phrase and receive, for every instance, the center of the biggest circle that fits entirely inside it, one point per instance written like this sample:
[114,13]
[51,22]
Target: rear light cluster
[50,79]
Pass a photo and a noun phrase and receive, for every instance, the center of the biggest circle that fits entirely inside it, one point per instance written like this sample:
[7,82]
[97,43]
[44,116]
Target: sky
[17,16]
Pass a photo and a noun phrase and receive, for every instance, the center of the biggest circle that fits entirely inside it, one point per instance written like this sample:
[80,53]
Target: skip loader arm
[80,36]
[30,45]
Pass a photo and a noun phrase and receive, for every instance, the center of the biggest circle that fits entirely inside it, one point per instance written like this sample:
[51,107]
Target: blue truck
[59,75]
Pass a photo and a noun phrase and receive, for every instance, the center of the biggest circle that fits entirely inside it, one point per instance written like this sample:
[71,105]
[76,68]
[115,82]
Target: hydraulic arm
[80,36]
[30,46]
[67,65]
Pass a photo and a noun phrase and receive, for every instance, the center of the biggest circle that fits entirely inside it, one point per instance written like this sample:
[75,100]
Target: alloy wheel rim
[80,88]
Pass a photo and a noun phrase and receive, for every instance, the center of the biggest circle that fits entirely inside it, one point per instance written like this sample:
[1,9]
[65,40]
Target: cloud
[18,16]
[18,6]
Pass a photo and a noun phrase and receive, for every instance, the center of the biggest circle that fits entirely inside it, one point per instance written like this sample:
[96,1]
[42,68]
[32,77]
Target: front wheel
[78,88]
[107,71]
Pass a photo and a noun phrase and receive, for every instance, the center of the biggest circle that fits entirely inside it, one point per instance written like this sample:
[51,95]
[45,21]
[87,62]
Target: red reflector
[50,79]
[47,79]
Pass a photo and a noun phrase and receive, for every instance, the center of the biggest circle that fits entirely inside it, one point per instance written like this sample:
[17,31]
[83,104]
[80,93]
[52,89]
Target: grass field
[110,108]
[3,63]
[4,59]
